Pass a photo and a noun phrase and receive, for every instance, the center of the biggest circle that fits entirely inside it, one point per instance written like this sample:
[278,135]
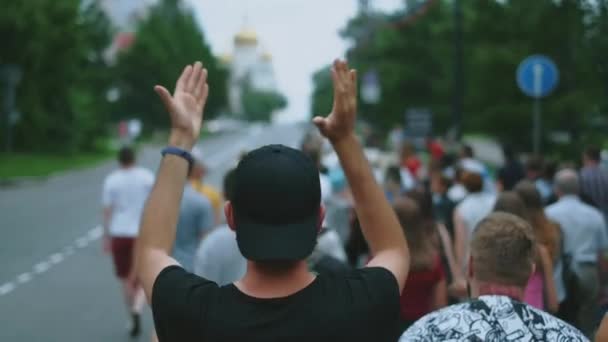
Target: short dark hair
[503,250]
[527,191]
[393,173]
[508,152]
[593,152]
[424,199]
[126,156]
[420,242]
[472,181]
[314,155]
[467,151]
[510,202]
[228,186]
[535,163]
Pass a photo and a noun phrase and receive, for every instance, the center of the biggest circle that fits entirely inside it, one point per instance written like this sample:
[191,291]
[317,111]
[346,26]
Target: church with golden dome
[249,64]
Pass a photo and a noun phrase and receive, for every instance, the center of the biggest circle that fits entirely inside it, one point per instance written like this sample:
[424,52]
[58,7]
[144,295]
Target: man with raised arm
[276,213]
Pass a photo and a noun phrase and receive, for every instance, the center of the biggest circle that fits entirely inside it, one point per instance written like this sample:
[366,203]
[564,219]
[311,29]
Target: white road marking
[42,267]
[82,242]
[6,288]
[95,233]
[24,278]
[56,258]
[53,259]
[69,250]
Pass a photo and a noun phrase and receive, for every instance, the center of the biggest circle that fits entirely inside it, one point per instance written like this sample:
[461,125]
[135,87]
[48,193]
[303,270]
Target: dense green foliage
[260,105]
[166,40]
[58,47]
[415,65]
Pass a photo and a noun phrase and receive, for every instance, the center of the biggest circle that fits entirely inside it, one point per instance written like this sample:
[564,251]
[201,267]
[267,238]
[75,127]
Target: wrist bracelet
[180,153]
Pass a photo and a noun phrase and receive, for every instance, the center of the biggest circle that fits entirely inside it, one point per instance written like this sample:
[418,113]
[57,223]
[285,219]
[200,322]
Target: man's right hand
[340,123]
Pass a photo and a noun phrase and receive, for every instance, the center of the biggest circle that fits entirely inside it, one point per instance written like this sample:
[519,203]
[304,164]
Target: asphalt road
[55,282]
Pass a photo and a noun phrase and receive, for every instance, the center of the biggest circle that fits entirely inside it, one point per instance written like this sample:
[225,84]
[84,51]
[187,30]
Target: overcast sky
[301,35]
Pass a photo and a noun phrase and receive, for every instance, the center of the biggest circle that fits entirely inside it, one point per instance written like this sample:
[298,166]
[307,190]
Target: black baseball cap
[276,200]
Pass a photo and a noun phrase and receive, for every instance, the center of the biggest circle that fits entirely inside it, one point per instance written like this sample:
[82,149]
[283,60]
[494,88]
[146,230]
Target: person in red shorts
[125,191]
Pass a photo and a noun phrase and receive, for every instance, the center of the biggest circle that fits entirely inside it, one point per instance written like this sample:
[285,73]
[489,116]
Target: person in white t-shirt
[125,191]
[476,205]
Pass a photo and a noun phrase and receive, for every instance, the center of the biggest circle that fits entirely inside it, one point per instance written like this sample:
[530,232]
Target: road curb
[20,181]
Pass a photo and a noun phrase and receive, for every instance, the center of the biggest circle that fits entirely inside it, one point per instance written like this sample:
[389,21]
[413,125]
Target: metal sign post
[537,77]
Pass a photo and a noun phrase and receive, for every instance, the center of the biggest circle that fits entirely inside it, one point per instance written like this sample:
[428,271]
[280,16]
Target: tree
[57,45]
[410,61]
[259,105]
[414,61]
[322,96]
[167,40]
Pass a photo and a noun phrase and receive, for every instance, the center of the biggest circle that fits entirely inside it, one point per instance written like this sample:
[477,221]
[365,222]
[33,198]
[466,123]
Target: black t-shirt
[362,305]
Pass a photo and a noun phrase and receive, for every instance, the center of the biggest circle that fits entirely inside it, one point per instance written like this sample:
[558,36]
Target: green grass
[17,165]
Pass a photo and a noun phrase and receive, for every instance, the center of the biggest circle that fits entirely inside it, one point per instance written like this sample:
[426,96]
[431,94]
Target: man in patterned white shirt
[502,259]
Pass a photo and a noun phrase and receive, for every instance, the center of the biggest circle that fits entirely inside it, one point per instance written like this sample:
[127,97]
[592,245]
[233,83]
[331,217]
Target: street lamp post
[10,75]
[458,78]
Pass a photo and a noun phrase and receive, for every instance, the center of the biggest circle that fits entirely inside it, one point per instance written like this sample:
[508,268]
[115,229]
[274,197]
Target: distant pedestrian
[443,206]
[435,148]
[585,238]
[410,160]
[535,172]
[395,138]
[546,232]
[457,191]
[125,191]
[393,188]
[218,257]
[540,291]
[197,180]
[426,288]
[196,218]
[437,232]
[468,213]
[512,171]
[468,160]
[326,186]
[594,180]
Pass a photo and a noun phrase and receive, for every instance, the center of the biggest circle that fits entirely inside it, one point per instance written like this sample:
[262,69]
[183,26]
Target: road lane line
[56,258]
[42,267]
[69,250]
[53,259]
[81,242]
[24,278]
[95,233]
[6,288]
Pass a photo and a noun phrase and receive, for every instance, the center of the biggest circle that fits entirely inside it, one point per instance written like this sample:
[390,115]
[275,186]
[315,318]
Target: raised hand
[340,123]
[186,105]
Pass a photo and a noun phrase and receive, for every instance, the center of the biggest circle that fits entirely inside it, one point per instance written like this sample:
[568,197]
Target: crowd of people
[424,243]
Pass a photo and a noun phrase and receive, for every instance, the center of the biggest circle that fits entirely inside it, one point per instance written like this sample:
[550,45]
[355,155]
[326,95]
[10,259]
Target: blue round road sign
[537,76]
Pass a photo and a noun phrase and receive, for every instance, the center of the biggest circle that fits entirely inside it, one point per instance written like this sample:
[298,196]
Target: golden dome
[225,58]
[246,36]
[266,56]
